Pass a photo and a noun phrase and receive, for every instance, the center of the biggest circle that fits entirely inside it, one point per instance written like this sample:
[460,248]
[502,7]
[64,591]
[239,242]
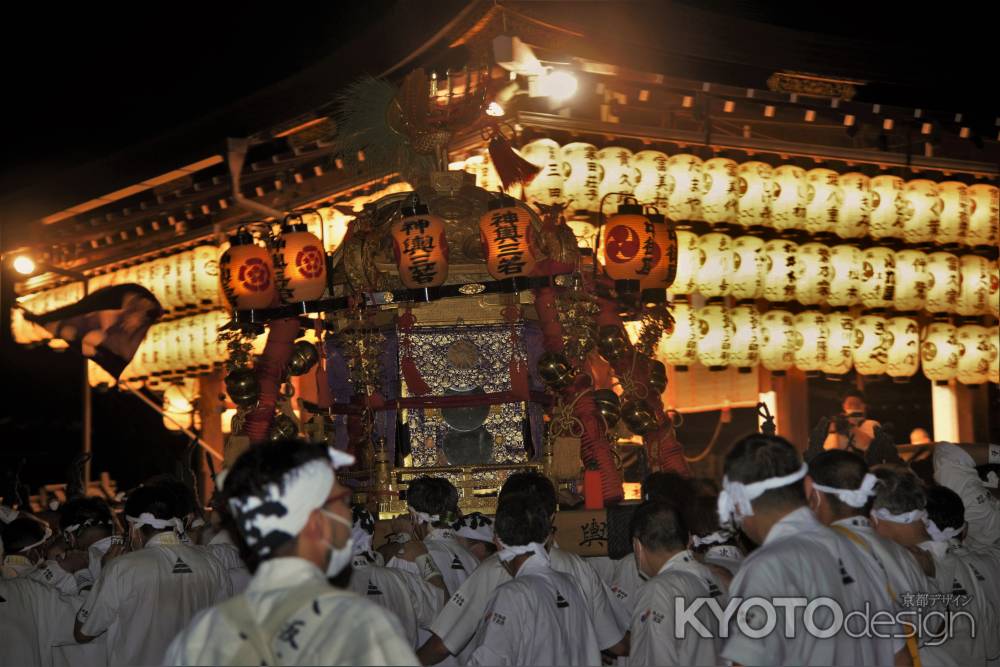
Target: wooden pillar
[210,407]
[790,404]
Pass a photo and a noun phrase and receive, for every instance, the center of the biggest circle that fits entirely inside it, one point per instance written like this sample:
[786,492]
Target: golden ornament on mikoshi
[420,246]
[657,376]
[984,215]
[609,406]
[939,352]
[777,352]
[508,239]
[903,356]
[242,387]
[720,191]
[300,264]
[555,370]
[855,206]
[246,272]
[790,197]
[638,416]
[839,344]
[922,211]
[944,282]
[888,207]
[612,342]
[304,357]
[284,428]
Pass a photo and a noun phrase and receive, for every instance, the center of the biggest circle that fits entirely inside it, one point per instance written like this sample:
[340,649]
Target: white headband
[475,526]
[423,517]
[718,537]
[939,535]
[882,514]
[147,519]
[853,497]
[48,534]
[736,497]
[509,553]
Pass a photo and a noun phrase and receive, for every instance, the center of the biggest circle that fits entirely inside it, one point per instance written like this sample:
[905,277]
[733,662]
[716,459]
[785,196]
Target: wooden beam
[210,408]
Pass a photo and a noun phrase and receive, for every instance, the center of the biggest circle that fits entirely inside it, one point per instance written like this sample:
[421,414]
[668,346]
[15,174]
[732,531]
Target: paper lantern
[878,278]
[300,264]
[206,276]
[547,186]
[507,236]
[955,204]
[856,206]
[903,342]
[823,206]
[585,232]
[939,352]
[420,246]
[664,245]
[688,263]
[810,341]
[912,279]
[993,338]
[812,282]
[629,247]
[974,354]
[887,207]
[618,176]
[582,174]
[984,215]
[790,194]
[746,343]
[651,186]
[246,272]
[781,270]
[749,268]
[871,349]
[846,262]
[944,282]
[685,176]
[974,286]
[715,337]
[839,344]
[486,174]
[679,348]
[993,298]
[715,256]
[777,352]
[756,194]
[720,191]
[922,211]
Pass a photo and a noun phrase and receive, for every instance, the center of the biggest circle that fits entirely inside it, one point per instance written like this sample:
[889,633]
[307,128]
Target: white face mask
[339,557]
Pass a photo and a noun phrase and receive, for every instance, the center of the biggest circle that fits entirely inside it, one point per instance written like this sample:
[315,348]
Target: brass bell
[555,370]
[638,417]
[611,342]
[609,406]
[304,357]
[284,428]
[242,387]
[657,376]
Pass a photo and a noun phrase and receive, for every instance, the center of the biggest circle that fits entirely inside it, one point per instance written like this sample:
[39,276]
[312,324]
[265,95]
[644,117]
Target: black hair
[840,469]
[434,495]
[758,457]
[899,492]
[945,507]
[701,515]
[156,500]
[659,527]
[185,501]
[361,516]
[533,482]
[86,513]
[521,519]
[667,487]
[22,533]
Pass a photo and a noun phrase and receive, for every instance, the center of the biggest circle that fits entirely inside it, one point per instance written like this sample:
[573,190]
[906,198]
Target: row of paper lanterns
[784,198]
[747,267]
[830,343]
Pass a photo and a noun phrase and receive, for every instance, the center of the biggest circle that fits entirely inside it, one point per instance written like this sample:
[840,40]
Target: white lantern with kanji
[993,338]
[790,190]
[652,187]
[811,336]
[715,336]
[777,333]
[823,207]
[679,348]
[944,282]
[903,356]
[871,349]
[746,343]
[781,270]
[993,299]
[582,174]
[939,352]
[878,278]
[984,215]
[685,176]
[974,290]
[839,344]
[206,276]
[955,205]
[922,217]
[547,186]
[974,359]
[756,194]
[812,284]
[856,206]
[846,263]
[887,207]
[912,279]
[715,253]
[749,268]
[720,191]
[619,176]
[688,263]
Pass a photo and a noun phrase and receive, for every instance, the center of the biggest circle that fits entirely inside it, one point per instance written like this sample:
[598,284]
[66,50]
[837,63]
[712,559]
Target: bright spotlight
[558,85]
[24,265]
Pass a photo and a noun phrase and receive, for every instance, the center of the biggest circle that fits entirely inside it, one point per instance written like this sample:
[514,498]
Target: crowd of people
[770,567]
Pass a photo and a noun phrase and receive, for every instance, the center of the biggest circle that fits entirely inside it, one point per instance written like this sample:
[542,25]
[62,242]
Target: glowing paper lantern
[420,246]
[585,232]
[715,337]
[618,175]
[664,245]
[984,215]
[878,278]
[684,177]
[993,298]
[955,204]
[688,263]
[871,346]
[300,263]
[716,265]
[629,249]
[974,359]
[939,352]
[912,279]
[903,357]
[679,348]
[810,341]
[887,207]
[547,186]
[748,268]
[720,191]
[756,194]
[846,263]
[507,237]
[992,337]
[745,351]
[206,276]
[246,272]
[856,206]
[777,352]
[812,284]
[791,194]
[486,174]
[582,175]
[974,289]
[781,270]
[922,206]
[823,207]
[944,282]
[840,344]
[651,171]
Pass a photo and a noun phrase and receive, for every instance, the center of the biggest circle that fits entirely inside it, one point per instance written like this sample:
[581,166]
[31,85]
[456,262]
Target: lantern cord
[186,431]
[711,444]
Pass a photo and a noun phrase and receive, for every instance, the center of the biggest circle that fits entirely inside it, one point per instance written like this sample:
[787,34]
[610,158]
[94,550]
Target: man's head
[84,521]
[285,502]
[920,436]
[533,482]
[522,519]
[362,531]
[475,532]
[854,404]
[433,501]
[765,459]
[899,506]
[667,487]
[25,536]
[150,510]
[835,469]
[658,533]
[945,514]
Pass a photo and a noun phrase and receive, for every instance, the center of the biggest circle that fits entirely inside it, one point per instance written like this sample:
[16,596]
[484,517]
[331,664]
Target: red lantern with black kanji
[246,272]
[654,286]
[508,240]
[300,264]
[633,248]
[421,247]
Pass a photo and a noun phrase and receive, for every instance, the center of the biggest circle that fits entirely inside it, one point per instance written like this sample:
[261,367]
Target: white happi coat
[955,469]
[454,561]
[413,601]
[654,639]
[802,558]
[144,598]
[538,618]
[33,619]
[623,579]
[222,547]
[325,627]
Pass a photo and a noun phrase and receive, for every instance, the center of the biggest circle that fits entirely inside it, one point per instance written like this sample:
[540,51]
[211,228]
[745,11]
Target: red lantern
[637,250]
[654,286]
[300,264]
[421,247]
[508,240]
[246,272]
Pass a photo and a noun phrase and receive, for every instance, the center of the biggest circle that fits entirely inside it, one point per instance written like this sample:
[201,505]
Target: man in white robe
[955,468]
[474,531]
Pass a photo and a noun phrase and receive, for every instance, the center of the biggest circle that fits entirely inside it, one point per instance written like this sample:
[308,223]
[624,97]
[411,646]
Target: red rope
[270,369]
